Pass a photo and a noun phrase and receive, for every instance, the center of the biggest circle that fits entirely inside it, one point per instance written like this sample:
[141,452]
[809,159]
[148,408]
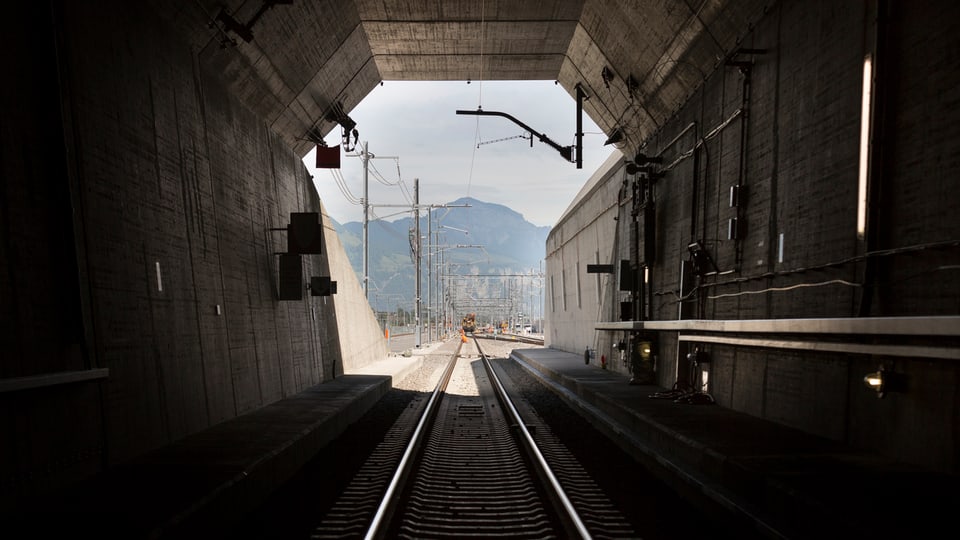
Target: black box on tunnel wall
[305,233]
[322,286]
[628,276]
[291,277]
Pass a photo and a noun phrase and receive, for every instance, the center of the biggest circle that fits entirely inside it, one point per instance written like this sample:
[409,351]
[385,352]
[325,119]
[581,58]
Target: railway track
[465,464]
[511,337]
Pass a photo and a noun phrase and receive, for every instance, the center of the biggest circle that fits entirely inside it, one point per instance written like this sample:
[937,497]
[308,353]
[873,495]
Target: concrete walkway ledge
[200,485]
[776,480]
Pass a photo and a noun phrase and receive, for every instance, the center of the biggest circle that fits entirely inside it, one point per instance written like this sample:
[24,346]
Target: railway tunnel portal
[151,148]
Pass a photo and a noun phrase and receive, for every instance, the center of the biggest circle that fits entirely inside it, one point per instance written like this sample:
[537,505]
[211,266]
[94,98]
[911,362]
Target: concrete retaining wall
[360,336]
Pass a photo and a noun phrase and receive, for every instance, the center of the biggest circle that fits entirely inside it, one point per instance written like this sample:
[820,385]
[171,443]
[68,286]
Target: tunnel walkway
[204,481]
[782,482]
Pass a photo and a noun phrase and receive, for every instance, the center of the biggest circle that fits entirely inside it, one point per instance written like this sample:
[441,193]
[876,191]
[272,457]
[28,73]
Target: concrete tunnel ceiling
[295,61]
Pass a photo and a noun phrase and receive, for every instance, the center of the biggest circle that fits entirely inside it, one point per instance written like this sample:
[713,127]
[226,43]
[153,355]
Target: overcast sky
[416,123]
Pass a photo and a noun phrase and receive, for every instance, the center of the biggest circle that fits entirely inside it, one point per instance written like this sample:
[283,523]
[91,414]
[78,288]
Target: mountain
[491,268]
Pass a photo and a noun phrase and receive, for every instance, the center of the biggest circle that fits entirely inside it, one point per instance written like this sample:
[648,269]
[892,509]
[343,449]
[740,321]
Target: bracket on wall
[573,153]
[600,268]
[348,126]
[743,65]
[245,31]
[702,261]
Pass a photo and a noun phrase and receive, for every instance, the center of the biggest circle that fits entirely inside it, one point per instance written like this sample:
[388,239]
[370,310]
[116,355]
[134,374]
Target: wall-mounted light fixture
[643,159]
[736,194]
[734,228]
[874,381]
[698,356]
[643,359]
[884,381]
[615,137]
[863,175]
[702,261]
[245,31]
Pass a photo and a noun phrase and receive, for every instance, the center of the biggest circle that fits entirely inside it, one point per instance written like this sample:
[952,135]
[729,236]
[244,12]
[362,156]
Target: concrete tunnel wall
[800,123]
[138,198]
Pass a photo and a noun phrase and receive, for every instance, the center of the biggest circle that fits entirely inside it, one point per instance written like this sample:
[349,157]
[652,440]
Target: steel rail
[380,518]
[510,337]
[569,512]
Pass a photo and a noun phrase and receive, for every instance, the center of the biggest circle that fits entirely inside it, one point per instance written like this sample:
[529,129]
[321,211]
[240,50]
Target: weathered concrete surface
[785,127]
[140,202]
[305,58]
[765,479]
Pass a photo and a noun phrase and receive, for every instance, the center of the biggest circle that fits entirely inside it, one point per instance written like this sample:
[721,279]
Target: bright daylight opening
[410,138]
[488,158]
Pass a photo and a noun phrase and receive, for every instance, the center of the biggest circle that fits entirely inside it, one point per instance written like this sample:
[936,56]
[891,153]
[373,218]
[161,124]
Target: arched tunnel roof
[301,63]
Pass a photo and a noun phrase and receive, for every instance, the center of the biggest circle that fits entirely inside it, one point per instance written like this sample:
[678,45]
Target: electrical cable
[788,288]
[856,258]
[403,186]
[399,213]
[768,275]
[378,176]
[380,221]
[476,134]
[342,185]
[406,192]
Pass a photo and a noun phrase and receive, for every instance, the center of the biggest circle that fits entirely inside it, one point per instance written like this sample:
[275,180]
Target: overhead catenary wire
[482,36]
[342,185]
[403,185]
[390,215]
[476,133]
[345,189]
[524,136]
[377,175]
[380,220]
